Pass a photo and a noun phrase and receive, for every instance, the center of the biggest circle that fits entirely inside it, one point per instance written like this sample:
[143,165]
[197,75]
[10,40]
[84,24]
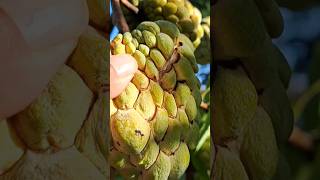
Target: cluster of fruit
[181,12]
[252,113]
[62,134]
[153,122]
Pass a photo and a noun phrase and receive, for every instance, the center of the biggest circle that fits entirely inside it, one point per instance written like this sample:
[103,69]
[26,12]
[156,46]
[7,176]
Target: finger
[122,70]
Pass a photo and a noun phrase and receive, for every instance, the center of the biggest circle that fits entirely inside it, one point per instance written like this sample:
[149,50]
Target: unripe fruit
[279,111]
[272,17]
[234,105]
[232,37]
[92,139]
[89,59]
[228,166]
[259,151]
[55,117]
[203,52]
[153,118]
[65,165]
[10,150]
[181,13]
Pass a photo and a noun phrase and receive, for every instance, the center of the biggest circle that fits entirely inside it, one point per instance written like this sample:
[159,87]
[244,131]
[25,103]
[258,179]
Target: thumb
[122,69]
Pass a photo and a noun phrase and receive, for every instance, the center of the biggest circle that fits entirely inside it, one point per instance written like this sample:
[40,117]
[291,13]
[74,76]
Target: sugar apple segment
[168,28]
[121,162]
[259,151]
[280,111]
[228,166]
[92,139]
[127,98]
[192,136]
[65,165]
[145,105]
[159,124]
[98,13]
[272,17]
[234,105]
[55,117]
[171,140]
[179,162]
[238,29]
[267,65]
[284,69]
[130,131]
[283,169]
[157,93]
[11,152]
[89,59]
[148,156]
[160,170]
[182,13]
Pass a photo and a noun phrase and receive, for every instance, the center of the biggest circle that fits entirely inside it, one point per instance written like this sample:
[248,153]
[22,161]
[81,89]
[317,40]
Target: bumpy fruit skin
[11,151]
[280,111]
[89,59]
[239,30]
[259,141]
[181,12]
[55,117]
[253,115]
[235,103]
[228,166]
[66,164]
[203,52]
[272,17]
[63,134]
[152,119]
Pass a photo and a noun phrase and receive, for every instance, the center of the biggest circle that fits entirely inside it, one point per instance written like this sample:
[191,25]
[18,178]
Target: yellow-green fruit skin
[10,150]
[235,103]
[228,166]
[232,37]
[54,118]
[259,150]
[152,118]
[182,13]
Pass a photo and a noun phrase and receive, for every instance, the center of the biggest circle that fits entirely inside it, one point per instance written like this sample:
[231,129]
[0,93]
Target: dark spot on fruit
[138,132]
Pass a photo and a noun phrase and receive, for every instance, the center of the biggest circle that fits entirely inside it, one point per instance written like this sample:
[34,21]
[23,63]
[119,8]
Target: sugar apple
[63,134]
[182,12]
[152,119]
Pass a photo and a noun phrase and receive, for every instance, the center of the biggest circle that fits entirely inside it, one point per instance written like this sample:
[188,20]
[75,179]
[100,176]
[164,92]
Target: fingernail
[124,65]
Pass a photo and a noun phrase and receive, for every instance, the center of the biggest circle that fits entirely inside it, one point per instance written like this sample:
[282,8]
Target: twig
[118,18]
[204,106]
[302,139]
[130,6]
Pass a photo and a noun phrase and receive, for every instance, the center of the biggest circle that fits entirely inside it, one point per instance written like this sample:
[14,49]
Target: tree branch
[302,140]
[118,18]
[130,6]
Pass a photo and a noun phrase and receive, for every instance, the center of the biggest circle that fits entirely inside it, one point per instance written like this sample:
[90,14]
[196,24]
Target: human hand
[122,69]
[31,53]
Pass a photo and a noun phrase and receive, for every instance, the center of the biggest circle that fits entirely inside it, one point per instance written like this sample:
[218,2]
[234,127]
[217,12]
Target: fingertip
[124,65]
[122,71]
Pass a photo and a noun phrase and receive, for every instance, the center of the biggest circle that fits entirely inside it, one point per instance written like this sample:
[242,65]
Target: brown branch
[130,6]
[204,106]
[302,140]
[118,18]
